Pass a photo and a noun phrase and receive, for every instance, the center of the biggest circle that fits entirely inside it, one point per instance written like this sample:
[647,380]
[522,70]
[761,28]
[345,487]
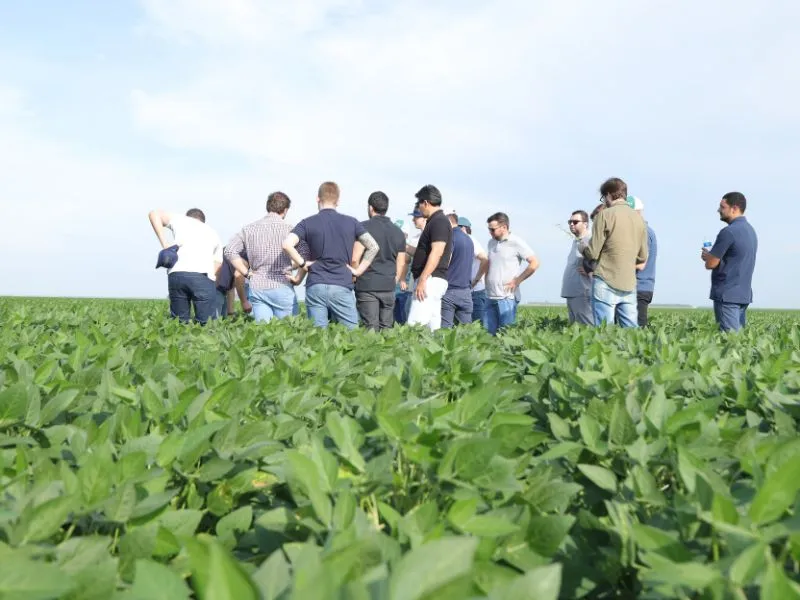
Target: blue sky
[109,109]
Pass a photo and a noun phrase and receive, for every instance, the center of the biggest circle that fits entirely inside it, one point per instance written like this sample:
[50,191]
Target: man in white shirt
[506,251]
[192,279]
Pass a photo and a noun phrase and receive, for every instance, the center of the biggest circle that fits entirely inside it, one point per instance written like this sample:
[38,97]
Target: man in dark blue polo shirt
[457,300]
[732,260]
[330,237]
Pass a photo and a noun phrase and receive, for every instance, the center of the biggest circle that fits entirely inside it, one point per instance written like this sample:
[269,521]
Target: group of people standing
[378,272]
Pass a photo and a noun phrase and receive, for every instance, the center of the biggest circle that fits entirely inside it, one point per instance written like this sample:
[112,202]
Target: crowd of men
[434,273]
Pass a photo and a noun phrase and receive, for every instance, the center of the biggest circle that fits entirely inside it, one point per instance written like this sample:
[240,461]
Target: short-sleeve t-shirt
[459,273]
[329,236]
[381,274]
[505,258]
[735,247]
[437,229]
[199,246]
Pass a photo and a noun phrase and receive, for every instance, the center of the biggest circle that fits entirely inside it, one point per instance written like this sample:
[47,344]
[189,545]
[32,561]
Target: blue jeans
[222,303]
[456,307]
[325,302]
[479,301]
[730,316]
[607,300]
[500,312]
[272,302]
[401,302]
[187,290]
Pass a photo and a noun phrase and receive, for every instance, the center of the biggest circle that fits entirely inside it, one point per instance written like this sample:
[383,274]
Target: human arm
[533,264]
[238,283]
[401,269]
[358,254]
[598,239]
[290,247]
[160,219]
[435,255]
[713,257]
[370,252]
[483,268]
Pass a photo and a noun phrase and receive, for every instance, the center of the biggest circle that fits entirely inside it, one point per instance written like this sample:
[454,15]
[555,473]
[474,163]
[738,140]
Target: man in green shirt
[618,244]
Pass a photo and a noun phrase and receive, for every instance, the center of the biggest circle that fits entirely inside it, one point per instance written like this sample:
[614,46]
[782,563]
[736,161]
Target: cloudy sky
[109,109]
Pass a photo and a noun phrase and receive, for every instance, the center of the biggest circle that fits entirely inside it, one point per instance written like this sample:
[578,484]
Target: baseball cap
[464,222]
[635,203]
[167,257]
[402,225]
[416,213]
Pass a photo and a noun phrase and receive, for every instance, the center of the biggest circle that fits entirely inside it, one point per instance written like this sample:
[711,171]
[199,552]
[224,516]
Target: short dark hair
[736,200]
[430,194]
[467,228]
[328,192]
[500,217]
[379,202]
[597,210]
[582,214]
[196,213]
[614,187]
[278,202]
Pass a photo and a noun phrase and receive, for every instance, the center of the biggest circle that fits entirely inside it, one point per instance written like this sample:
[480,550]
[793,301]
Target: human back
[330,236]
[199,246]
[624,233]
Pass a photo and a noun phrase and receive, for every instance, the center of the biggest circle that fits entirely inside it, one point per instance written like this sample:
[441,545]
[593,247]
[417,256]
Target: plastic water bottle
[707,245]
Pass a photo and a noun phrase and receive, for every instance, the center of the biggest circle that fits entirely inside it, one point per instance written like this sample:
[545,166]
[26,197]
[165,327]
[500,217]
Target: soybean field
[144,459]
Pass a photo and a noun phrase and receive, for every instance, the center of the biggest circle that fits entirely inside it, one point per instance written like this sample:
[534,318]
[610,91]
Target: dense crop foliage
[144,459]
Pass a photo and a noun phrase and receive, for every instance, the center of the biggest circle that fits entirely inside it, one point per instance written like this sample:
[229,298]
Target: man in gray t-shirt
[576,286]
[506,252]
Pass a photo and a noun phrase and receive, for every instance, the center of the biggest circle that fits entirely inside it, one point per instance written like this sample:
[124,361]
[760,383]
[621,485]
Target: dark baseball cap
[168,257]
[416,213]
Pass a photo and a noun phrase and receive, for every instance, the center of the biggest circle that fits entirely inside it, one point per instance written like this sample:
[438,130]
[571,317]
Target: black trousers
[643,300]
[376,309]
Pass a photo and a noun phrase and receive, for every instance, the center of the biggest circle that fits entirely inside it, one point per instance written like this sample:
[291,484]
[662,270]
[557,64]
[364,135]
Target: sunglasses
[495,228]
[575,221]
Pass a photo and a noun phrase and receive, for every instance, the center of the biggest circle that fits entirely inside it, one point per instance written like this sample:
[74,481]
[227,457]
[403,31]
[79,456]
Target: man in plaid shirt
[271,289]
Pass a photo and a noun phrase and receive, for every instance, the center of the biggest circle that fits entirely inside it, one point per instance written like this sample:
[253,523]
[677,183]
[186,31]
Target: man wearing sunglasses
[506,252]
[576,285]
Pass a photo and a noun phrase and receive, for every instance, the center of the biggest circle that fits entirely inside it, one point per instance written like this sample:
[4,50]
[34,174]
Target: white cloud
[510,105]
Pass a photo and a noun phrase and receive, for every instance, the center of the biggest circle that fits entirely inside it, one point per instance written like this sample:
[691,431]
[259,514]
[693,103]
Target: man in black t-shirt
[431,258]
[375,288]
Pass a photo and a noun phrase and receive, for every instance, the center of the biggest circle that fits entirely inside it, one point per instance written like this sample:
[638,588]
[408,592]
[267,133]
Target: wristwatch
[302,264]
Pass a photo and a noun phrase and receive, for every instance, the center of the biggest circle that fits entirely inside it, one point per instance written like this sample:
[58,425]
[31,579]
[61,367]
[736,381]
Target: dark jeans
[643,300]
[479,302]
[402,300]
[730,316]
[376,309]
[192,289]
[456,307]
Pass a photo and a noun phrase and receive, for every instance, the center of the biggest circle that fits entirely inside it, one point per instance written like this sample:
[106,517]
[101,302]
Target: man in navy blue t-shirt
[330,237]
[731,261]
[457,300]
